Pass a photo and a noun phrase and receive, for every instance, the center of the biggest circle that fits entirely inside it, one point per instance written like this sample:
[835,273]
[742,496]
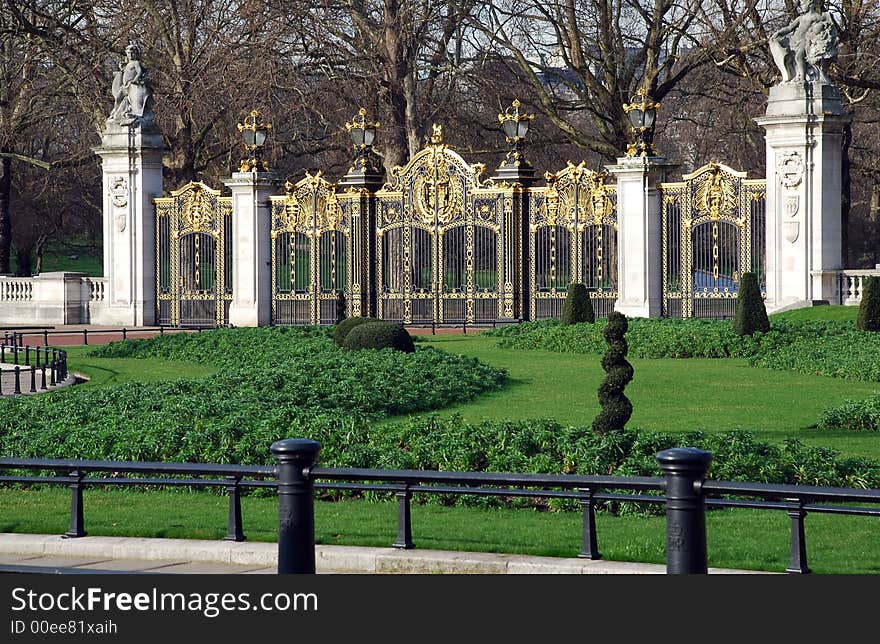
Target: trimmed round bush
[616,407]
[379,335]
[345,327]
[578,307]
[869,309]
[751,314]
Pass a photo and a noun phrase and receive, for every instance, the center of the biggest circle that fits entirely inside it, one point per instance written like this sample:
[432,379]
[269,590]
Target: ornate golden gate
[439,249]
[193,256]
[713,230]
[572,239]
[311,246]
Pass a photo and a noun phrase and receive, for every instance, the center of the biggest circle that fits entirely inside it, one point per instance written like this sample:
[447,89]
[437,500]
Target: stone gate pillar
[639,233]
[251,247]
[804,127]
[804,133]
[131,158]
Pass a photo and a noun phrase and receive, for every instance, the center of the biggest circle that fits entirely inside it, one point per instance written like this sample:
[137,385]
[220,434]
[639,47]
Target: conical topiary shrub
[869,309]
[616,407]
[751,314]
[578,307]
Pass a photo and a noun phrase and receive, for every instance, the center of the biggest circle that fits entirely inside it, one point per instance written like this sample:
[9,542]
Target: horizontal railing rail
[17,337]
[683,489]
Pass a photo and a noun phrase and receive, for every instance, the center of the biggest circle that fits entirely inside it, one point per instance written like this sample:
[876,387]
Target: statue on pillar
[804,48]
[132,92]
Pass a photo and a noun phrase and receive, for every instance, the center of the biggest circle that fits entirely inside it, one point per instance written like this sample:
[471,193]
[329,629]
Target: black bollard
[43,377]
[296,504]
[124,334]
[3,352]
[85,336]
[53,380]
[45,338]
[33,389]
[27,355]
[684,470]
[17,384]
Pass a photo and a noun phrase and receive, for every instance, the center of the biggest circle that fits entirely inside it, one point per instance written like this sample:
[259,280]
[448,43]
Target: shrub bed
[273,383]
[819,347]
[857,415]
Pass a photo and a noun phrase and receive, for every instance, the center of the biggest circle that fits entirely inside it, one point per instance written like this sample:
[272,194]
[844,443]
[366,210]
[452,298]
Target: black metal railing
[11,336]
[682,489]
[28,361]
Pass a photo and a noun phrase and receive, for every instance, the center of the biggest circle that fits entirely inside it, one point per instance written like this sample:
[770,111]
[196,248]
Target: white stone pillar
[251,247]
[132,177]
[639,242]
[804,133]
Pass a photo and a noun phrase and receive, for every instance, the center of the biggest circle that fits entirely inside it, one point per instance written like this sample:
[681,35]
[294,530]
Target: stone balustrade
[852,283]
[51,298]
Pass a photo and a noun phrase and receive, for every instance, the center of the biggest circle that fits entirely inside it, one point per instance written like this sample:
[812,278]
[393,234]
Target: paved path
[7,380]
[50,553]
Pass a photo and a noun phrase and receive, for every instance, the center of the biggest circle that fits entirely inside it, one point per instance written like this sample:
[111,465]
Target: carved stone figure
[132,93]
[804,48]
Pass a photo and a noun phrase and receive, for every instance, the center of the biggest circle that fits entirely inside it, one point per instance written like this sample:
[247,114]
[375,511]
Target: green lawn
[745,539]
[667,395]
[112,371]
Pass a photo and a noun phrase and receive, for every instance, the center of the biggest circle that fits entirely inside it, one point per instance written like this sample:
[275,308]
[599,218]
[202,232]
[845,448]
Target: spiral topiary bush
[345,326]
[578,307]
[751,314]
[379,335]
[869,309]
[616,407]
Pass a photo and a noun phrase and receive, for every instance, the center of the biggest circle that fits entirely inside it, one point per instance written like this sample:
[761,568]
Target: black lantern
[515,125]
[253,133]
[642,113]
[363,133]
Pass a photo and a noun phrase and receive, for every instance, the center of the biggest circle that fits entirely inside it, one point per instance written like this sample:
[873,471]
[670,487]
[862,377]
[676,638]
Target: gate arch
[193,256]
[713,231]
[438,245]
[572,239]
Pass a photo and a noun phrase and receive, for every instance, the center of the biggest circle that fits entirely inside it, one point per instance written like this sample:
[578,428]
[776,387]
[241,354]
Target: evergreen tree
[578,307]
[616,407]
[751,314]
[869,309]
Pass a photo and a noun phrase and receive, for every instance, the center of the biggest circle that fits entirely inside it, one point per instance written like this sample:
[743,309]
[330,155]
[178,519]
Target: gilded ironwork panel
[712,231]
[193,256]
[310,250]
[438,244]
[572,239]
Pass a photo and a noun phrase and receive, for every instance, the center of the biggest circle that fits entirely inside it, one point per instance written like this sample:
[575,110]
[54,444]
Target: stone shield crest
[791,231]
[119,192]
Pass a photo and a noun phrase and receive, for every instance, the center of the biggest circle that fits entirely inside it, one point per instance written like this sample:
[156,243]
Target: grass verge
[742,539]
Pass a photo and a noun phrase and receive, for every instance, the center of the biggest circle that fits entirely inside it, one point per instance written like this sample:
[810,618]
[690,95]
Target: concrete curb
[337,559]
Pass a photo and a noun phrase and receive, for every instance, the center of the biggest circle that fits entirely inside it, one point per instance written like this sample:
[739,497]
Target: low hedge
[821,347]
[857,415]
[379,335]
[344,328]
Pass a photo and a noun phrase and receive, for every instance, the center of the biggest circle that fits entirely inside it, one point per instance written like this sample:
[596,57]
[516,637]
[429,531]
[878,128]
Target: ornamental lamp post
[515,125]
[642,113]
[253,133]
[363,133]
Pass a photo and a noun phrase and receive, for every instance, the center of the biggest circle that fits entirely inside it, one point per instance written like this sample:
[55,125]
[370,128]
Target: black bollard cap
[296,448]
[684,459]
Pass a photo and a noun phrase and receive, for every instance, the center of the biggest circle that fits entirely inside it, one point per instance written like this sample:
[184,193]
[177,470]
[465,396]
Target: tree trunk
[5,213]
[24,261]
[395,72]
